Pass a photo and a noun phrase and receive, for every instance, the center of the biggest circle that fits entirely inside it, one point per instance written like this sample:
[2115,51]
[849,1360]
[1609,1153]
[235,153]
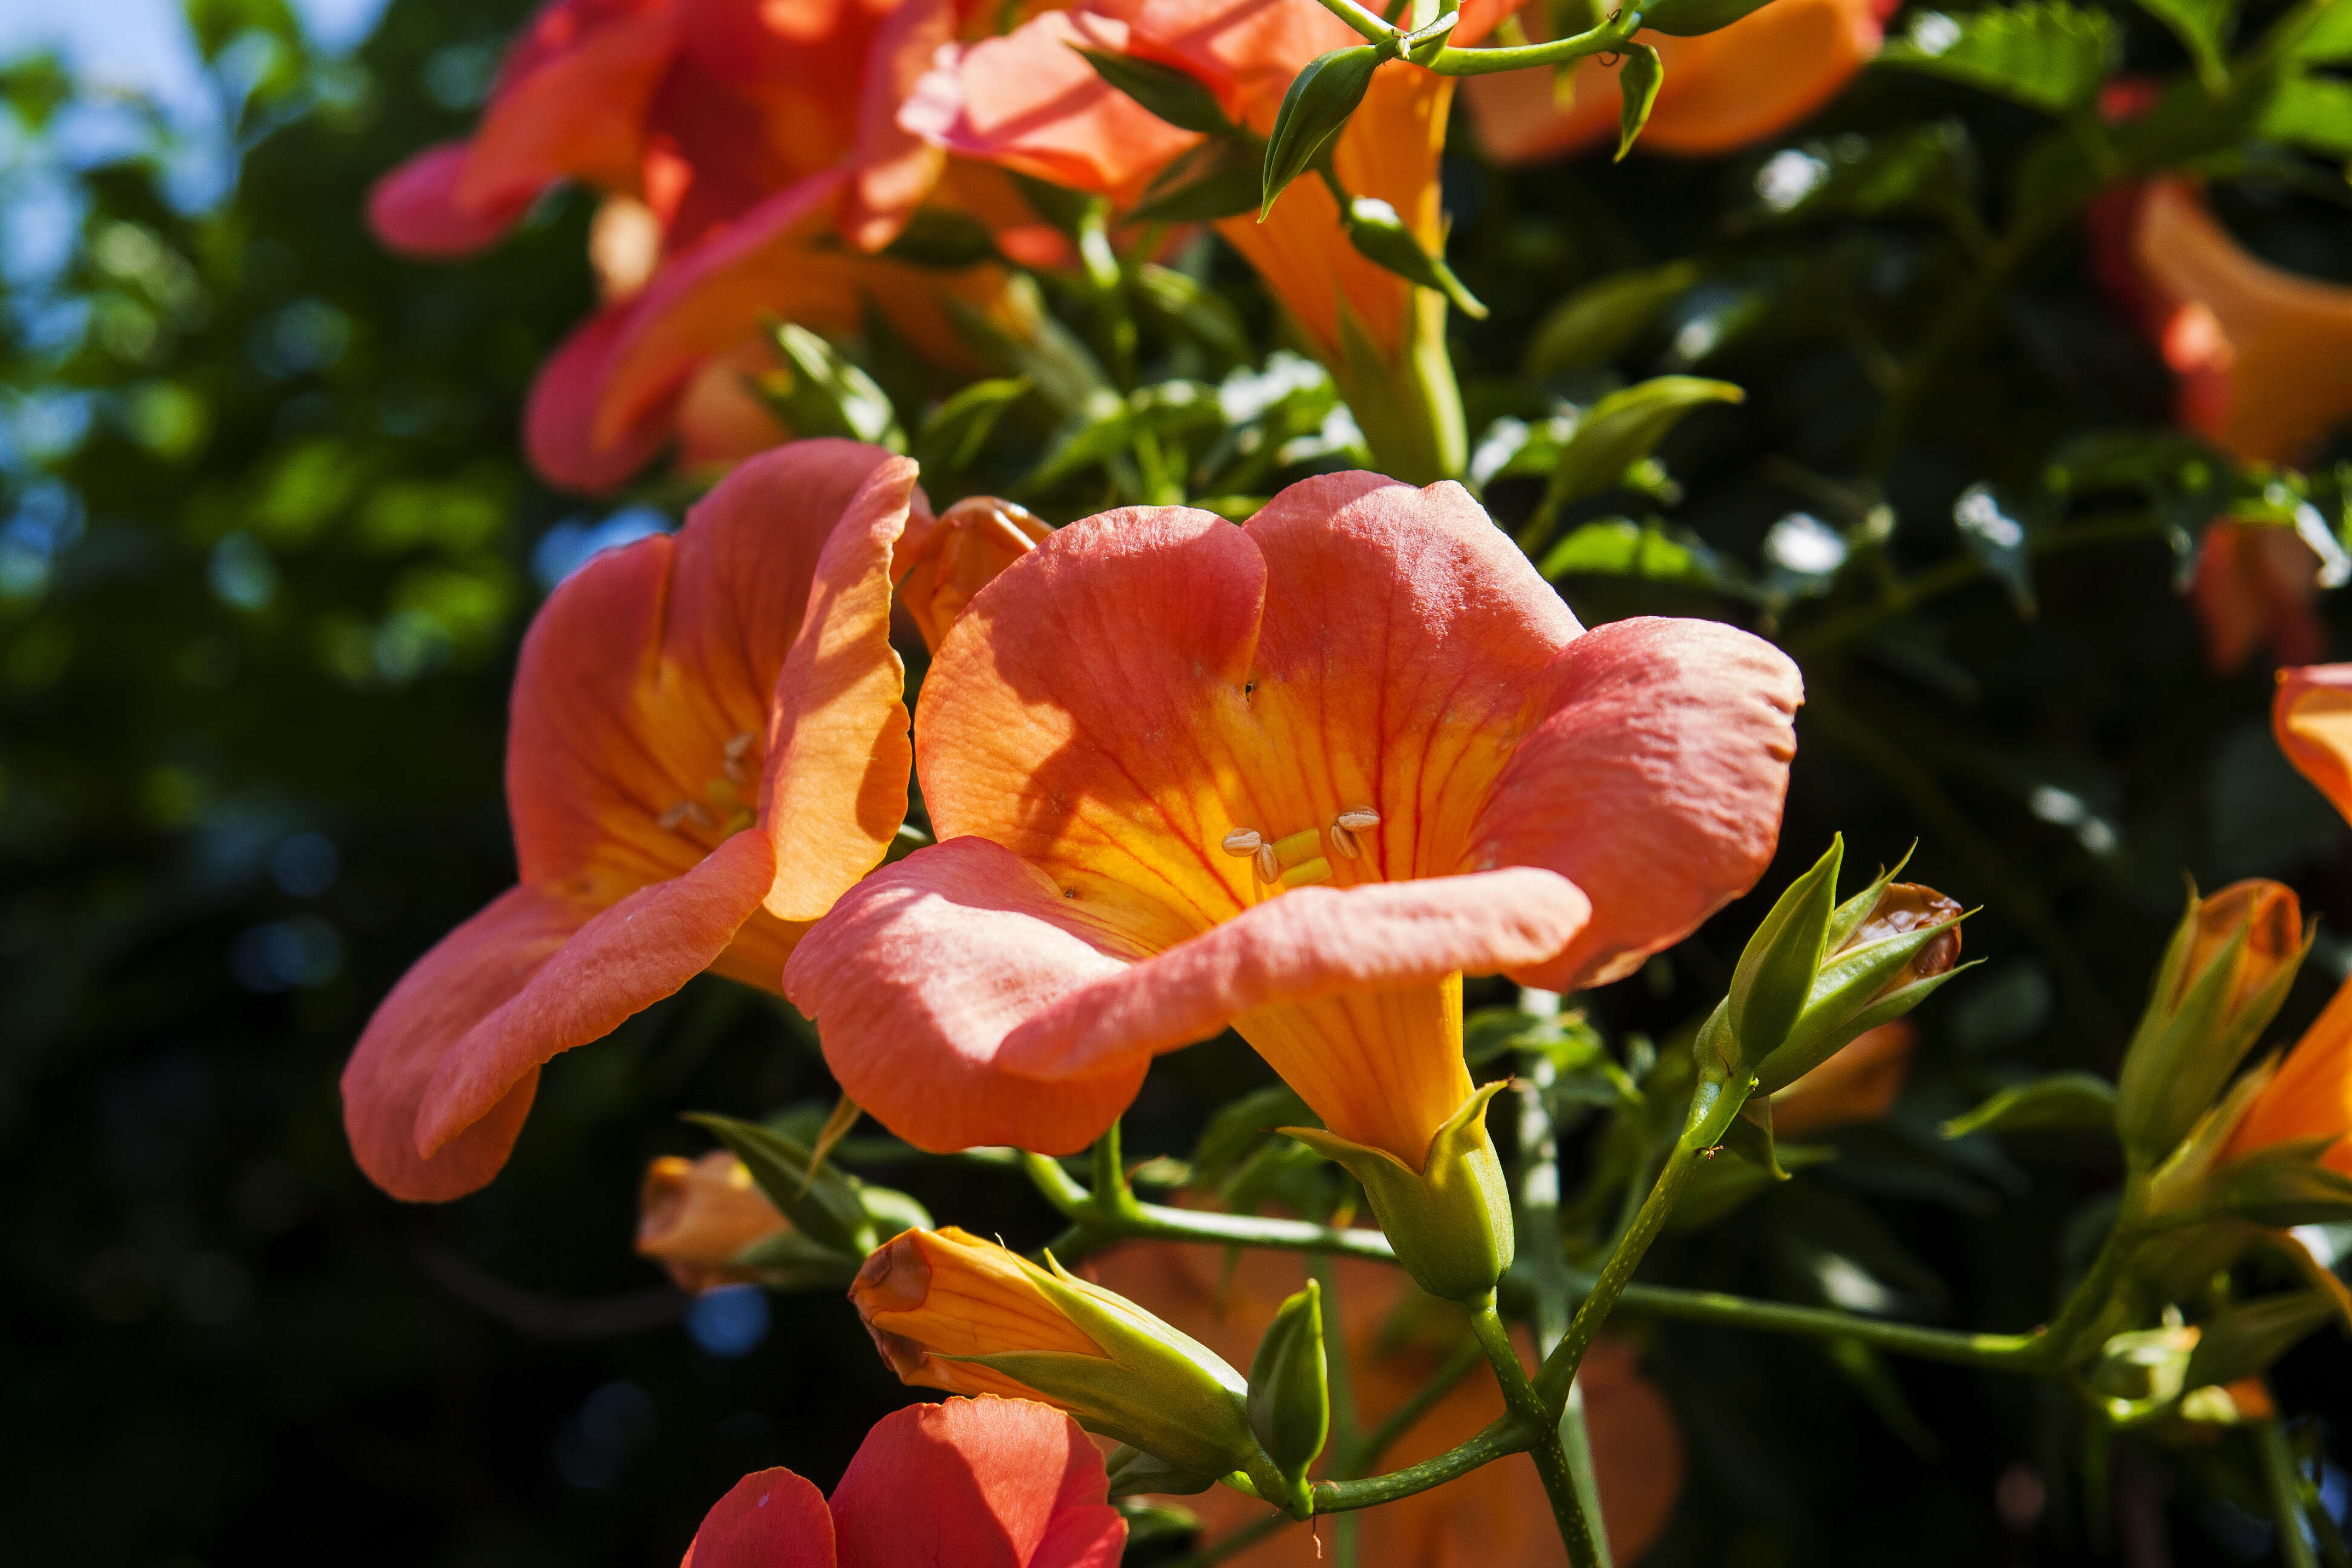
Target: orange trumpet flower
[1294,778]
[1771,69]
[1496,1516]
[1031,102]
[753,164]
[707,746]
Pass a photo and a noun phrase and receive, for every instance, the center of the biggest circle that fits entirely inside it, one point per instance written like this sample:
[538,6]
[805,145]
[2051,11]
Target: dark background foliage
[269,548]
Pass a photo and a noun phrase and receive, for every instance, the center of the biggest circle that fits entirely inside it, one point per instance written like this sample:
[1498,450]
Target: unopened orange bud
[2271,920]
[1907,907]
[939,568]
[695,1216]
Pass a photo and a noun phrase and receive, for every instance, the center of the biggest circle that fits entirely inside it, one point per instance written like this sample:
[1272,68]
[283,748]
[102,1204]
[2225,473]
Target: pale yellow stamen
[1359,819]
[1307,872]
[1243,842]
[1297,845]
[685,811]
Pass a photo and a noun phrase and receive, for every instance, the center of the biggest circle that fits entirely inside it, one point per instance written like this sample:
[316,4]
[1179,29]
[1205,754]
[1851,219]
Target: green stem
[1560,1367]
[1506,1437]
[1611,35]
[1539,1228]
[2285,1481]
[1098,1229]
[1996,1352]
[1374,28]
[2089,1298]
[1551,1460]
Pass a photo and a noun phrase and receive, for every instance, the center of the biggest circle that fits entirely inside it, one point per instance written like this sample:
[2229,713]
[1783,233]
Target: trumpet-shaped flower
[1031,102]
[1297,778]
[707,745]
[752,161]
[1772,68]
[968,1483]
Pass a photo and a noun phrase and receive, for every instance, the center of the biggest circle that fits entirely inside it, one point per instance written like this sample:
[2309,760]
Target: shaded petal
[942,982]
[2310,1097]
[1654,783]
[559,417]
[467,975]
[415,208]
[622,960]
[770,1518]
[973,1483]
[2312,717]
[571,99]
[895,167]
[2257,589]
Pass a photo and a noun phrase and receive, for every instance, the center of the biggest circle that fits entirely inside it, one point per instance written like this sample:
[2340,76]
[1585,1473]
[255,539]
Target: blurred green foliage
[268,545]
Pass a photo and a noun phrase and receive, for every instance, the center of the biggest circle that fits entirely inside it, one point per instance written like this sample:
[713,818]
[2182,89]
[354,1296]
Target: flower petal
[571,99]
[770,1518]
[973,1483]
[2312,717]
[558,420]
[1766,72]
[1654,783]
[622,960]
[467,976]
[415,210]
[895,167]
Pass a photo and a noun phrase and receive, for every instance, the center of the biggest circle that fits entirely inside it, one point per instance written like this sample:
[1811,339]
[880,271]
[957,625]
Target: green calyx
[1450,1222]
[1774,977]
[1289,1385]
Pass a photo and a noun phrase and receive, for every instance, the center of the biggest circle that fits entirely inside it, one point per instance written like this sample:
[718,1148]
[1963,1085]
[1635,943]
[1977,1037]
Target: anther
[1243,842]
[1269,864]
[1359,819]
[683,810]
[733,762]
[1344,842]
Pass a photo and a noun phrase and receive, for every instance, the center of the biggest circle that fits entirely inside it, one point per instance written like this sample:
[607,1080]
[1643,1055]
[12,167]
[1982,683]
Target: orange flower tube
[707,745]
[1723,91]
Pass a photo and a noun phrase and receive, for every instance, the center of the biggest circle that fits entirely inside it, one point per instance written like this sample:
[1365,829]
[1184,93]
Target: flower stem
[1610,35]
[2285,1481]
[1506,1437]
[1560,1367]
[2089,1299]
[1537,1196]
[1352,1461]
[1996,1352]
[1551,1459]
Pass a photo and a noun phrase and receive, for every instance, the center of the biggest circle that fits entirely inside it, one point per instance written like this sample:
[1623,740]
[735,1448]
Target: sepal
[1450,1222]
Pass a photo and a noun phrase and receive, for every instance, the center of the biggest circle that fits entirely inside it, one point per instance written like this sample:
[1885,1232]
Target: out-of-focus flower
[753,164]
[949,1310]
[695,1216]
[1764,73]
[2231,959]
[708,744]
[1295,778]
[941,566]
[1497,1516]
[1860,1083]
[1029,101]
[993,1483]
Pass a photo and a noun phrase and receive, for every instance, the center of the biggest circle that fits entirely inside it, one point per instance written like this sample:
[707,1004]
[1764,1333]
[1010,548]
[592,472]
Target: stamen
[1243,842]
[1344,842]
[1269,864]
[683,810]
[734,763]
[1308,873]
[1359,818]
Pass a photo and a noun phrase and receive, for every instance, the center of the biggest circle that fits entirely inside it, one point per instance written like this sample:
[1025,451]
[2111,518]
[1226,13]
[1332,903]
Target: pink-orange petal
[895,167]
[770,1518]
[975,1483]
[560,432]
[572,100]
[624,959]
[1654,783]
[467,975]
[414,209]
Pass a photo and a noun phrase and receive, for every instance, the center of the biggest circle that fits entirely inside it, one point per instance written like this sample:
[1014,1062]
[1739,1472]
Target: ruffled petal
[974,1483]
[770,1518]
[1654,783]
[2312,717]
[415,209]
[467,976]
[942,982]
[624,959]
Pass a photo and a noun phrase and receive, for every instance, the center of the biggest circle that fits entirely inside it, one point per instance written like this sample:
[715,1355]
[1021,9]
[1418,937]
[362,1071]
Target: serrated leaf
[2065,1101]
[1600,322]
[2247,1338]
[1175,96]
[952,435]
[2048,55]
[1638,81]
[1626,427]
[2314,112]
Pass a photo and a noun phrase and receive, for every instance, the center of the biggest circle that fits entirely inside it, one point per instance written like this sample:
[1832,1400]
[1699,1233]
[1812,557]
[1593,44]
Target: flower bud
[1776,968]
[1381,237]
[1289,1387]
[1450,1222]
[1313,112]
[2229,966]
[949,1310]
[940,566]
[1688,18]
[694,1217]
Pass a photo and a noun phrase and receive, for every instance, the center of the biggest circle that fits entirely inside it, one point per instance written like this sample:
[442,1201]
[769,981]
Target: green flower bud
[1450,1222]
[1688,18]
[1289,1390]
[1891,947]
[1313,112]
[1381,235]
[1775,974]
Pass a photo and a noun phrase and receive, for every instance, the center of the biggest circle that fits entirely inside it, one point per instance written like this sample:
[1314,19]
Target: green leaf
[1177,96]
[1600,322]
[2047,55]
[1217,179]
[1313,112]
[1626,427]
[2247,1338]
[1928,168]
[1381,237]
[2065,1101]
[821,393]
[2322,36]
[946,240]
[2313,112]
[954,434]
[1194,309]
[1688,18]
[1617,548]
[2285,1186]
[822,1204]
[1168,407]
[2200,26]
[1638,81]
[1063,372]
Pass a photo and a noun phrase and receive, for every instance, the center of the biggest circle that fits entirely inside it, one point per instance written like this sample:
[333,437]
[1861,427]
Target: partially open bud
[939,568]
[2229,966]
[949,1310]
[1860,1082]
[694,1217]
[1889,947]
